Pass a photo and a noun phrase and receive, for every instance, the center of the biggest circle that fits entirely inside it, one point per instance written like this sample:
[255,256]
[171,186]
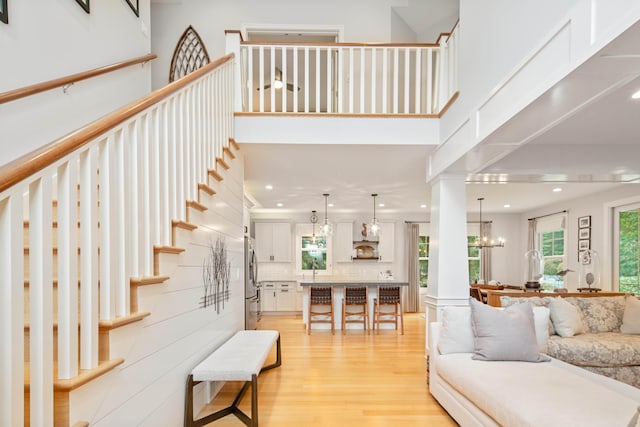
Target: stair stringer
[160,350]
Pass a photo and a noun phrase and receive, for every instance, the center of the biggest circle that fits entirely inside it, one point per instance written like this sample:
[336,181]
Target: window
[474,260]
[551,242]
[313,250]
[627,234]
[310,250]
[423,260]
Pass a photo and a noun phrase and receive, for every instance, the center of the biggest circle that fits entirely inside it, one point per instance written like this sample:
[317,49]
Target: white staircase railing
[123,178]
[346,78]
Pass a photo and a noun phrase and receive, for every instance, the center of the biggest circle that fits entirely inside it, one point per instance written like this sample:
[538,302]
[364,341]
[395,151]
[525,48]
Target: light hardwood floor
[342,380]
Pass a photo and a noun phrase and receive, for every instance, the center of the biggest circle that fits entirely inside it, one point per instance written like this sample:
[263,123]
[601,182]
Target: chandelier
[326,229]
[374,225]
[485,241]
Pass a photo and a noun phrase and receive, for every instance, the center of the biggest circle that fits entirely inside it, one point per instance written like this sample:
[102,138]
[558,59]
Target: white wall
[495,36]
[50,39]
[400,31]
[593,205]
[362,20]
[160,351]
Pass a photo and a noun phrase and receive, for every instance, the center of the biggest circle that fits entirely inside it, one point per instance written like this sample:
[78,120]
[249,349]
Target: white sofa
[515,393]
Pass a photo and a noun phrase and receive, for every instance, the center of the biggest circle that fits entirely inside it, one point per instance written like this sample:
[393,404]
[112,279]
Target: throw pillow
[456,335]
[602,314]
[631,317]
[507,334]
[541,322]
[566,318]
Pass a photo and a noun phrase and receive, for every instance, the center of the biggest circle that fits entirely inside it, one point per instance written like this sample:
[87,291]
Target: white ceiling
[582,136]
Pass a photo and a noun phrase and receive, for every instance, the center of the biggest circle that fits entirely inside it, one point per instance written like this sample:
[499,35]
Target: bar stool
[388,296]
[356,297]
[320,297]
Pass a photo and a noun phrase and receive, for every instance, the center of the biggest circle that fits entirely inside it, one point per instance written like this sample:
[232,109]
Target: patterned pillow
[602,314]
[506,301]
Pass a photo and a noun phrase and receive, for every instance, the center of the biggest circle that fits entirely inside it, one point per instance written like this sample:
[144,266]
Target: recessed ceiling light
[557,190]
[381,205]
[330,205]
[279,205]
[507,205]
[423,206]
[636,95]
[269,187]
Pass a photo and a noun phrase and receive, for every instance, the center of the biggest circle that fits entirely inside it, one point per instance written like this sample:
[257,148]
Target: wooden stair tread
[234,143]
[204,187]
[228,152]
[214,173]
[81,424]
[148,280]
[220,161]
[183,224]
[122,321]
[167,249]
[196,205]
[84,376]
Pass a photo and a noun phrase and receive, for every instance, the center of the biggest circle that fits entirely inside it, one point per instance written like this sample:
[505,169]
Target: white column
[448,263]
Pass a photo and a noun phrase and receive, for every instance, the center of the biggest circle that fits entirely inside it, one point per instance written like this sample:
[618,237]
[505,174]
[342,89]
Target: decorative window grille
[189,55]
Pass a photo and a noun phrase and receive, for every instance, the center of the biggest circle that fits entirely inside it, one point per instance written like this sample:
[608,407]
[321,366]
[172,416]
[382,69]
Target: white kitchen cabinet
[386,245]
[278,296]
[273,241]
[268,297]
[343,243]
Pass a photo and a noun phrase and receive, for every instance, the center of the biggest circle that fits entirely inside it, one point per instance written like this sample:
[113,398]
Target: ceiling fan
[278,83]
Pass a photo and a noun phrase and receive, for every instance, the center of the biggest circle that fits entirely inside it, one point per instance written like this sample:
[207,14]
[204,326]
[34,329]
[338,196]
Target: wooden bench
[241,358]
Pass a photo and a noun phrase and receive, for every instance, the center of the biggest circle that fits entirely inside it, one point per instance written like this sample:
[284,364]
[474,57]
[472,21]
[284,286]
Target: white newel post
[448,255]
[232,45]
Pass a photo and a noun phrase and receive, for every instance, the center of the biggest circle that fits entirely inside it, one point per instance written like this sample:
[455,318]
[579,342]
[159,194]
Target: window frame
[553,224]
[306,230]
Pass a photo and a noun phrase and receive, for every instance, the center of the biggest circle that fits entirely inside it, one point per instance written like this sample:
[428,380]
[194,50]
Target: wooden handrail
[30,163]
[323,44]
[23,92]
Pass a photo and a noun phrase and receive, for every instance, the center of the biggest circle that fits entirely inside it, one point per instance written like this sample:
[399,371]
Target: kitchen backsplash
[361,270]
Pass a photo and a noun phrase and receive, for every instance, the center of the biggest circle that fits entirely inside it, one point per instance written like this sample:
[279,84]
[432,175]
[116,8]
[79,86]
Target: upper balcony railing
[346,78]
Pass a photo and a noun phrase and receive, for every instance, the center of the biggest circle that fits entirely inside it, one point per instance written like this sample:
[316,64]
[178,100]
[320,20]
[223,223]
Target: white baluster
[318,77]
[107,250]
[329,82]
[283,54]
[12,309]
[41,302]
[67,213]
[418,81]
[363,74]
[407,79]
[395,93]
[272,79]
[374,82]
[145,194]
[385,80]
[120,208]
[340,80]
[250,89]
[261,70]
[132,178]
[306,79]
[351,82]
[430,80]
[296,83]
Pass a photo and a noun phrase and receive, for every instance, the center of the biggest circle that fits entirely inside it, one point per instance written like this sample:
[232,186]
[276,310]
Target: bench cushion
[606,349]
[237,359]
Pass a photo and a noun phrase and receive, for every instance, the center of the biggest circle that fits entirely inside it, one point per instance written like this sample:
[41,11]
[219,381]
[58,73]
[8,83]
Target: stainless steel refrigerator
[251,290]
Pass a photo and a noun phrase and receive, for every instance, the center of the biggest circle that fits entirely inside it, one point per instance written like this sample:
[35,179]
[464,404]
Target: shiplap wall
[159,352]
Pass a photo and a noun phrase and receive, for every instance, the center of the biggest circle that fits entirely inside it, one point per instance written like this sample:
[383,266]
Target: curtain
[412,304]
[485,230]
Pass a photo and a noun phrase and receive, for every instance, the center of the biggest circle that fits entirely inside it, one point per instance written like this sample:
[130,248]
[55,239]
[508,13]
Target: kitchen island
[338,294]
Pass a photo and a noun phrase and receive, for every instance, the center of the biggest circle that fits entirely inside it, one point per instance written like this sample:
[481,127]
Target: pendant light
[374,225]
[314,219]
[485,241]
[326,229]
